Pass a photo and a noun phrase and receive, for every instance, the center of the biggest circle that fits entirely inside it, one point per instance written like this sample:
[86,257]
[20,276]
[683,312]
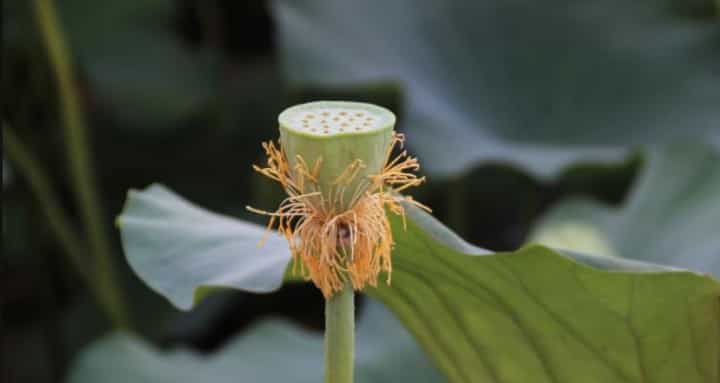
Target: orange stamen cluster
[331,246]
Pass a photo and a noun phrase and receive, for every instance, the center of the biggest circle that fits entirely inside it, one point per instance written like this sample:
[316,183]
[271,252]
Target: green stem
[40,185]
[340,336]
[81,170]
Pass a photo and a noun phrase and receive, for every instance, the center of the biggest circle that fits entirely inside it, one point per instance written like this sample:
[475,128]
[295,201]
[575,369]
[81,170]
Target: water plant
[479,315]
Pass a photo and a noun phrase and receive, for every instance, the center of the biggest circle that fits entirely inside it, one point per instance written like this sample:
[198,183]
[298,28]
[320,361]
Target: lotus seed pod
[334,135]
[334,162]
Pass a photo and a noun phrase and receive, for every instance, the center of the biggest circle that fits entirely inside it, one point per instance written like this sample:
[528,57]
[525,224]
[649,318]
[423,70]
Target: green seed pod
[337,133]
[334,162]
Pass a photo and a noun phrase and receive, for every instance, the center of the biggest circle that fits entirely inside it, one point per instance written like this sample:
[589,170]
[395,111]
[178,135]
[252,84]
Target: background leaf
[671,216]
[137,65]
[183,251]
[272,351]
[539,84]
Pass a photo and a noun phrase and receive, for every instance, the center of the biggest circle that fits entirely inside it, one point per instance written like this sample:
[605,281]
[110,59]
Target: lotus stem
[340,336]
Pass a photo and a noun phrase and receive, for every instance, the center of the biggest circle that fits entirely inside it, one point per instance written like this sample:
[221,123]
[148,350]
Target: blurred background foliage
[512,107]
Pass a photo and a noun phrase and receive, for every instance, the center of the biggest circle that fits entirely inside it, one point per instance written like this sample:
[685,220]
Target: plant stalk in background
[81,169]
[335,162]
[41,187]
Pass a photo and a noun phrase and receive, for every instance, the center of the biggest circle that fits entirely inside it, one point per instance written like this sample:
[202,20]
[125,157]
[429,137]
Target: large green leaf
[537,83]
[536,315]
[672,215]
[531,315]
[272,351]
